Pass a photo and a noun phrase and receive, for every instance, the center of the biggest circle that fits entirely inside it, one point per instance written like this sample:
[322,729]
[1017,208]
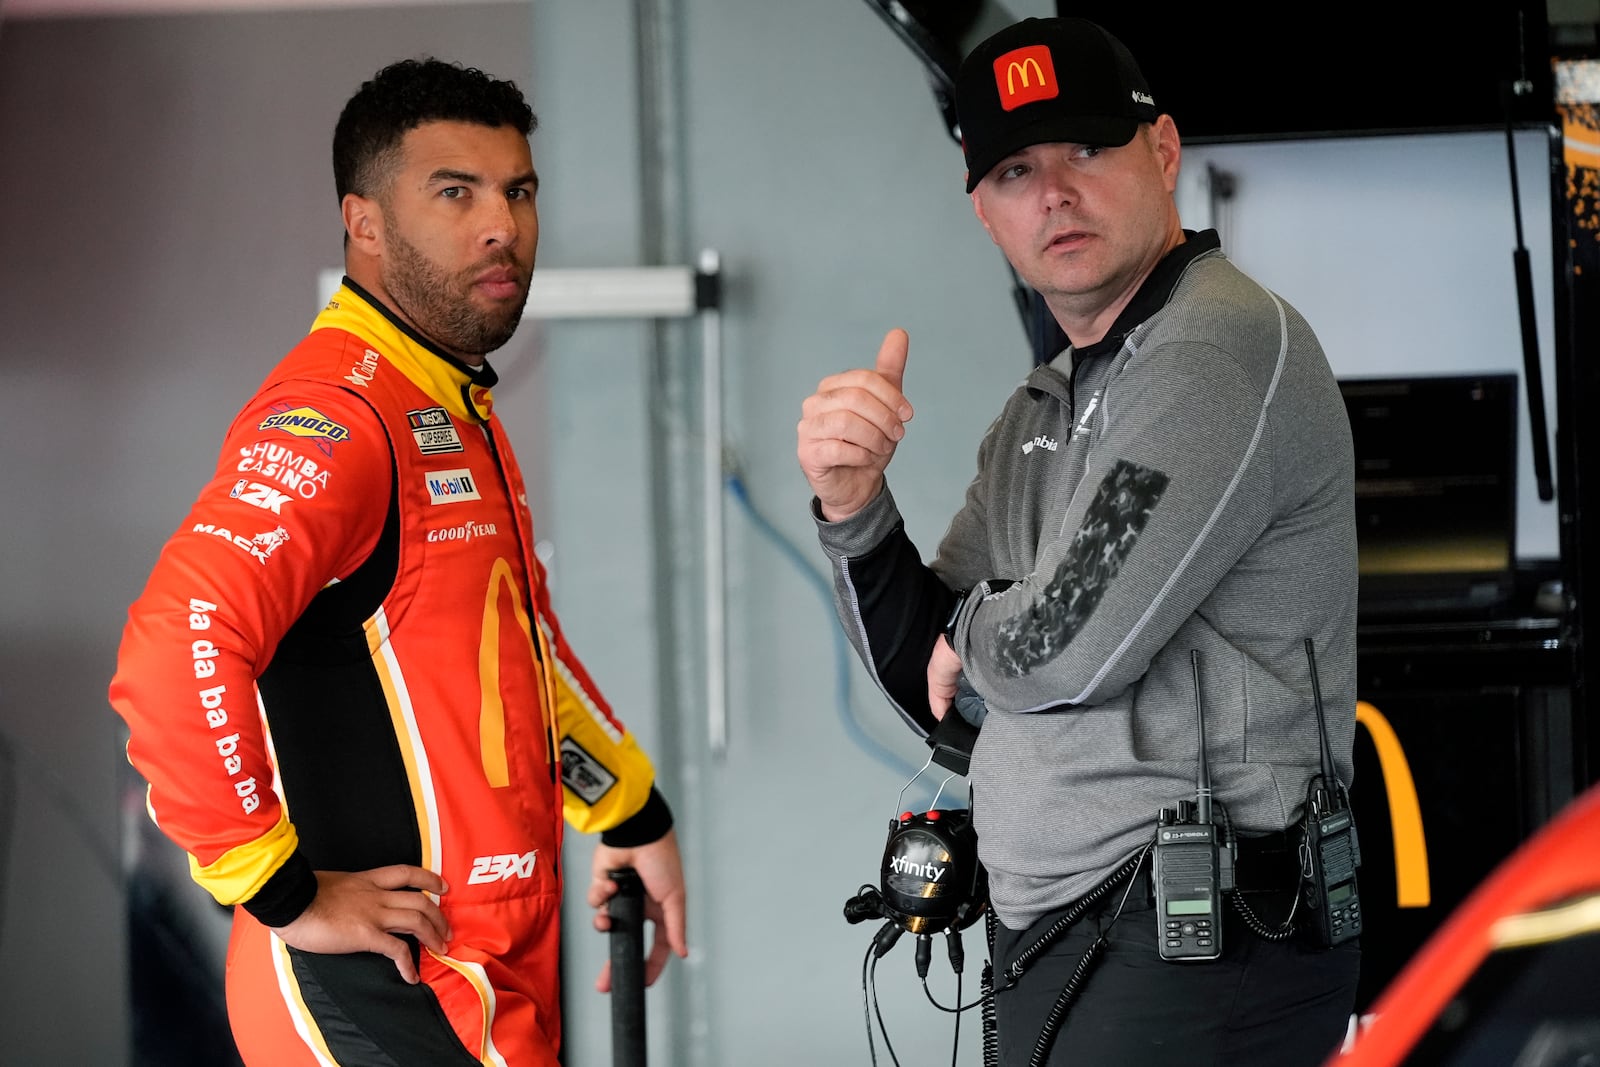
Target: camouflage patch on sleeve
[1119,511]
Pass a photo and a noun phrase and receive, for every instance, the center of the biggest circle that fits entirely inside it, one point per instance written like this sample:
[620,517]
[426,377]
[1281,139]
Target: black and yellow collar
[464,392]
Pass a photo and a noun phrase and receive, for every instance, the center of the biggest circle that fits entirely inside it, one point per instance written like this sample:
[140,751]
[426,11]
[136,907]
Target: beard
[440,305]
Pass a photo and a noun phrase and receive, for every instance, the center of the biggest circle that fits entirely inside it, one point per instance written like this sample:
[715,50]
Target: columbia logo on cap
[1025,75]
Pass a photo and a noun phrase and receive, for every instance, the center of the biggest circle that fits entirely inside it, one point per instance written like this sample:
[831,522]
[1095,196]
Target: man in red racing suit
[343,680]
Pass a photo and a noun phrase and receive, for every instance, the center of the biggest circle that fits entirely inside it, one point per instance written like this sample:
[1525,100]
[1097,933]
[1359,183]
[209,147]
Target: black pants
[1266,1003]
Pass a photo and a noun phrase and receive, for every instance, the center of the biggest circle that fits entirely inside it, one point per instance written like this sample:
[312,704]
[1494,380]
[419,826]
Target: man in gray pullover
[1176,487]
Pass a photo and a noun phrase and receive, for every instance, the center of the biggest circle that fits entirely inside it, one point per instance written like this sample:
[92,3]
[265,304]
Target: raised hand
[850,427]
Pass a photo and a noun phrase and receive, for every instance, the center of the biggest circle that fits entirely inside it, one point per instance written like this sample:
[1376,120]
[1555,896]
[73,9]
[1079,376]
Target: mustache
[498,259]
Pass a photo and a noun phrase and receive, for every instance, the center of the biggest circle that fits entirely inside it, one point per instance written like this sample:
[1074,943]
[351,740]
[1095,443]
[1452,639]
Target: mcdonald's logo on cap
[1024,75]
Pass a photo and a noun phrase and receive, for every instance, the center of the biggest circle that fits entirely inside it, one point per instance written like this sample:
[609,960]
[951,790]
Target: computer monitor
[1436,507]
[1254,70]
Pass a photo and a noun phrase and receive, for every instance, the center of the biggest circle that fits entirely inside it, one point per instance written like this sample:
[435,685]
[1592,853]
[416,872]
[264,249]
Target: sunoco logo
[305,422]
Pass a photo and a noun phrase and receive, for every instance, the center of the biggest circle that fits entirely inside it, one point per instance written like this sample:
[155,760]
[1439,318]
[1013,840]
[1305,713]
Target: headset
[929,881]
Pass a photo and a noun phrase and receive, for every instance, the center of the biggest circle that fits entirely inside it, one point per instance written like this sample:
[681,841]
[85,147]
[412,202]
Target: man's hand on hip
[362,911]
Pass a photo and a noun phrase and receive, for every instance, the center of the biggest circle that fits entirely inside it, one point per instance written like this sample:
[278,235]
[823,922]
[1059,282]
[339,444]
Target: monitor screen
[1260,71]
[1435,489]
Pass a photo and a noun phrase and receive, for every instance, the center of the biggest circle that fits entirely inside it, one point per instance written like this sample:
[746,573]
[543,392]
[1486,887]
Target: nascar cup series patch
[434,432]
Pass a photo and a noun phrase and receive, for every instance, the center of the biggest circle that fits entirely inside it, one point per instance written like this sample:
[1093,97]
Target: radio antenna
[1330,780]
[1202,774]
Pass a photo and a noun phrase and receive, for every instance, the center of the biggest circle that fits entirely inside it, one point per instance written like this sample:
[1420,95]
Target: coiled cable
[991,1029]
[1026,957]
[1254,922]
[1069,993]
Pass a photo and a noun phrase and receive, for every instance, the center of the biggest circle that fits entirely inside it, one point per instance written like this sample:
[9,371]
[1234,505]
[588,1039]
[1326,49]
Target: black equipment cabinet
[1481,712]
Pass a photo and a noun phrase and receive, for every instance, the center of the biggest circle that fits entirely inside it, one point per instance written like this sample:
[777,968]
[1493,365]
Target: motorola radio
[1329,850]
[1190,870]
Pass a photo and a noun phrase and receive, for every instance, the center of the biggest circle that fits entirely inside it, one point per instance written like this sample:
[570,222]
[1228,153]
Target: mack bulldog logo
[261,546]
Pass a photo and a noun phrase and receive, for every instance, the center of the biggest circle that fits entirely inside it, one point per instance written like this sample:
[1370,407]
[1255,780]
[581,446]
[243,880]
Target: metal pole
[711,428]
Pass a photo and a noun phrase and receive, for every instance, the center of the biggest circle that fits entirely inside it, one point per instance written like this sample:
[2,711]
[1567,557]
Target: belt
[1266,863]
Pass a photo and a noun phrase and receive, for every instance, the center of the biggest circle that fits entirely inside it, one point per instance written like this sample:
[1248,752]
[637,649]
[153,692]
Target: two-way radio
[1329,850]
[1189,870]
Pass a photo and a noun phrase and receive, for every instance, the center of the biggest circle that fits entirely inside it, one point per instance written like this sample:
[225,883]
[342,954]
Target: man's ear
[363,223]
[977,209]
[1168,149]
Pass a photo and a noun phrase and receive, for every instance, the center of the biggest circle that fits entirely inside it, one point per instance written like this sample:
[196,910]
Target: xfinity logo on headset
[901,865]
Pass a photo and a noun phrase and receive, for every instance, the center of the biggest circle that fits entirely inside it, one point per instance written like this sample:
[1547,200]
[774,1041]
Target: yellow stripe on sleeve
[239,873]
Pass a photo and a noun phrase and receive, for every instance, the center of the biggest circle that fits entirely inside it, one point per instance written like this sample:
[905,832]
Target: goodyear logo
[1025,75]
[305,422]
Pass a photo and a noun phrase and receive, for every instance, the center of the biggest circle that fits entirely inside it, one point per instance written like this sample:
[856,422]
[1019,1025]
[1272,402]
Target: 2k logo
[262,496]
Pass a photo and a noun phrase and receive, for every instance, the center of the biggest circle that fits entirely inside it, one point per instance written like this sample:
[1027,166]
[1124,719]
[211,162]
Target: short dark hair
[403,96]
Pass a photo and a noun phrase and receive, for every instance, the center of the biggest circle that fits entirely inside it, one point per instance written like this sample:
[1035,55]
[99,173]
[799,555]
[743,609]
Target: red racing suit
[345,658]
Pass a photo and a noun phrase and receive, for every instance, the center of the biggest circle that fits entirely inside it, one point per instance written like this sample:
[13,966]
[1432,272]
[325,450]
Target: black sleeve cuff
[286,894]
[649,823]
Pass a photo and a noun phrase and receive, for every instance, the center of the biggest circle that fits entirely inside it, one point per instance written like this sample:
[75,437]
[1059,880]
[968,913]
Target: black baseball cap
[1052,79]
